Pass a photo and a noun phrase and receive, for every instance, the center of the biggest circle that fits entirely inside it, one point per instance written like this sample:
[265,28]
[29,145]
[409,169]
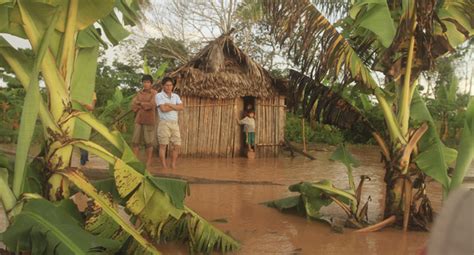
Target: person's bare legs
[149,155]
[163,155]
[136,150]
[174,156]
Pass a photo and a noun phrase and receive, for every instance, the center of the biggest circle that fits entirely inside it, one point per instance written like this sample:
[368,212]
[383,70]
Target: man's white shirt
[163,98]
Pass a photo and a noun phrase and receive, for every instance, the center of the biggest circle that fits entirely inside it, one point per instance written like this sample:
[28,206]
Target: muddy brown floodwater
[233,189]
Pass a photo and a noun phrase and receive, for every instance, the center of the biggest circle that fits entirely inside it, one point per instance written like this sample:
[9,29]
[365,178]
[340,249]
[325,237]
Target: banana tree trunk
[405,196]
[394,194]
[58,158]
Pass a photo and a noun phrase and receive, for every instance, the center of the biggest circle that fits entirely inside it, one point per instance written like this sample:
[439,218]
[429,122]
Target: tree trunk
[58,158]
[407,192]
[393,193]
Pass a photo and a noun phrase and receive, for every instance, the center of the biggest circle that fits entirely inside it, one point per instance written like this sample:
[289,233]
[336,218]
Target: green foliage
[375,17]
[434,157]
[45,228]
[465,149]
[316,195]
[30,109]
[116,106]
[342,155]
[7,198]
[35,176]
[157,202]
[118,75]
[319,134]
[164,50]
[380,35]
[64,33]
[11,103]
[358,134]
[116,85]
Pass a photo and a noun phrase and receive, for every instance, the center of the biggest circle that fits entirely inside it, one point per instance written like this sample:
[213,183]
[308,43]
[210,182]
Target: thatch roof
[222,70]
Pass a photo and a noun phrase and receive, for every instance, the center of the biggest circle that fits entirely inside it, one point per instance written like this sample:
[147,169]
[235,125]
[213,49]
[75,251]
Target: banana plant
[159,72]
[115,109]
[65,39]
[316,195]
[399,39]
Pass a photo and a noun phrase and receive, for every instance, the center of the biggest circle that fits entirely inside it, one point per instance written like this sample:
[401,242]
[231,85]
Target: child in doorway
[249,129]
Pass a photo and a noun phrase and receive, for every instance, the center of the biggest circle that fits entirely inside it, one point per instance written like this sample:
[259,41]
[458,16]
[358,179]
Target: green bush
[314,133]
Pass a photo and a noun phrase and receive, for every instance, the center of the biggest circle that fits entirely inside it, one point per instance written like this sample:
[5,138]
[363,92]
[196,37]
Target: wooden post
[304,135]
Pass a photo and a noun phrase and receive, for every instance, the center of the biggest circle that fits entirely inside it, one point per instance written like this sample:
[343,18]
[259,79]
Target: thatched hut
[216,86]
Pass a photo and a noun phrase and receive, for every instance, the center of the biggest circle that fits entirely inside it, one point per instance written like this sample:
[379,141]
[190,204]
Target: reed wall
[209,127]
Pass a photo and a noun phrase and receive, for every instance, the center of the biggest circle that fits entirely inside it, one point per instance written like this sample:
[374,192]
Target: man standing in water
[168,104]
[143,104]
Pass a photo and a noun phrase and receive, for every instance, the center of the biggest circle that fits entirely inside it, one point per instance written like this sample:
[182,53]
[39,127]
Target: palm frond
[314,44]
[335,8]
[321,103]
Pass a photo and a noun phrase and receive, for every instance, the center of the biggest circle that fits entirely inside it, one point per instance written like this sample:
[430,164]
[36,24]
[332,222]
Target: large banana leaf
[113,29]
[342,155]
[375,16]
[313,197]
[316,195]
[7,23]
[177,189]
[101,224]
[455,25]
[288,203]
[110,209]
[23,66]
[172,228]
[88,11]
[34,179]
[83,78]
[151,202]
[44,228]
[465,149]
[434,157]
[30,113]
[7,198]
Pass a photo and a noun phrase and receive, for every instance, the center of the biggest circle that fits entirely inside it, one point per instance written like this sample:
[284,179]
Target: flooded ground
[232,189]
[241,185]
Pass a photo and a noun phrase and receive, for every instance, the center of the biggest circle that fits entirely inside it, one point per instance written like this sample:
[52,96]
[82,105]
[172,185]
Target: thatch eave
[222,70]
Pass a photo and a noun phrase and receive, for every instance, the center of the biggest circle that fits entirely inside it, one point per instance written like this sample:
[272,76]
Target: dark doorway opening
[249,105]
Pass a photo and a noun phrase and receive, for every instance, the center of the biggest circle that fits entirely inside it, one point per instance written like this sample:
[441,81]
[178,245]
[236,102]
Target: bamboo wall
[209,127]
[270,116]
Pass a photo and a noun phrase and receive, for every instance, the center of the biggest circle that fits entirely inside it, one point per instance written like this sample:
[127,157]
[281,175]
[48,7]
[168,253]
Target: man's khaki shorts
[168,131]
[144,134]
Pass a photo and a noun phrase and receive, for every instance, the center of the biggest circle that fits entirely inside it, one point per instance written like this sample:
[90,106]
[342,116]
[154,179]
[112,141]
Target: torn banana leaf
[45,228]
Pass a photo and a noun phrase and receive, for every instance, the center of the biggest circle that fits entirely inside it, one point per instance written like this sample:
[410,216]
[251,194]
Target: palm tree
[65,40]
[399,39]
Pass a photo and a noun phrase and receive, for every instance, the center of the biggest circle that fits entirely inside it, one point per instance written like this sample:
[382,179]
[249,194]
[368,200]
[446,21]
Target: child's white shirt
[249,124]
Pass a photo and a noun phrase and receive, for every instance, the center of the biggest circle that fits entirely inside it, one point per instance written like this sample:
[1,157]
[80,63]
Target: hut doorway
[249,103]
